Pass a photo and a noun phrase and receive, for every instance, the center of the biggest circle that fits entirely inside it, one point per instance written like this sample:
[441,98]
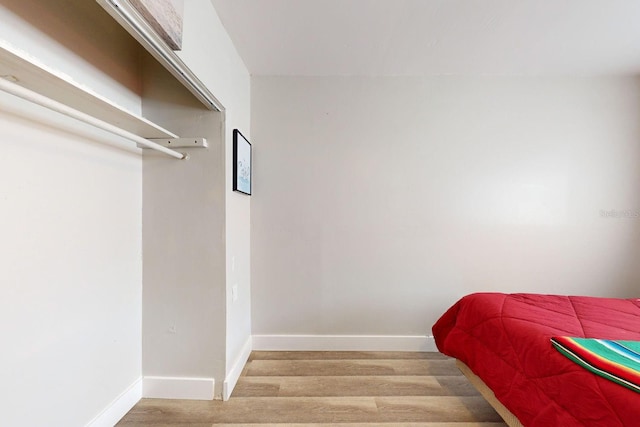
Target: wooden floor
[333,389]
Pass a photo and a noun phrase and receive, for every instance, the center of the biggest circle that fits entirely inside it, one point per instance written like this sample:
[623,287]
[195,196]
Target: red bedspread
[505,340]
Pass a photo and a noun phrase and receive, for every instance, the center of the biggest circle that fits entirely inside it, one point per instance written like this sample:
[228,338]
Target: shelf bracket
[181,142]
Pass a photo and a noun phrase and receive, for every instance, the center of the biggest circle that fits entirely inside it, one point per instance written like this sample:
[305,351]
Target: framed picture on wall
[241,163]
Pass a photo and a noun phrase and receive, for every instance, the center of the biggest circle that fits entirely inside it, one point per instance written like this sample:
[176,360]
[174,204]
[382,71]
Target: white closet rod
[49,103]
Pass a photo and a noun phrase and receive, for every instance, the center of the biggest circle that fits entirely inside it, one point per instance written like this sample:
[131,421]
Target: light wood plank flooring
[333,389]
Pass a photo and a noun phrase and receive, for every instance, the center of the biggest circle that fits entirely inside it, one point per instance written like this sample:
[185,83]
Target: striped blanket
[618,361]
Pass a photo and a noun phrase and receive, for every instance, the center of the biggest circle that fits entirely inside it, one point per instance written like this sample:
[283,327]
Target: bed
[502,343]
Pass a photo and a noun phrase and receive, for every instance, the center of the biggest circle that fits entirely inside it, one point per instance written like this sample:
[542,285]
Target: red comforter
[505,340]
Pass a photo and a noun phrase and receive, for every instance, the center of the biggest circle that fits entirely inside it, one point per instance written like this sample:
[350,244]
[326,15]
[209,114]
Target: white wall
[70,268]
[183,240]
[381,201]
[216,62]
[70,221]
[198,300]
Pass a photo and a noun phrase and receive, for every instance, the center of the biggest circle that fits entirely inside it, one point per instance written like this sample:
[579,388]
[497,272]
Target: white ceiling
[434,37]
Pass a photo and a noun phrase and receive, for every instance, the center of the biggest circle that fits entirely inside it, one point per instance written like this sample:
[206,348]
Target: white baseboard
[178,388]
[344,343]
[234,373]
[119,407]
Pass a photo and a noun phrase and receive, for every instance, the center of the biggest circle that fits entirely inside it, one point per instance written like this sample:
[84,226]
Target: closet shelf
[31,74]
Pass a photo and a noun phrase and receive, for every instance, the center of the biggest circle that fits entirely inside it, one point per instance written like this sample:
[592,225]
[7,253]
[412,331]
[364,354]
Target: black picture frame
[242,163]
